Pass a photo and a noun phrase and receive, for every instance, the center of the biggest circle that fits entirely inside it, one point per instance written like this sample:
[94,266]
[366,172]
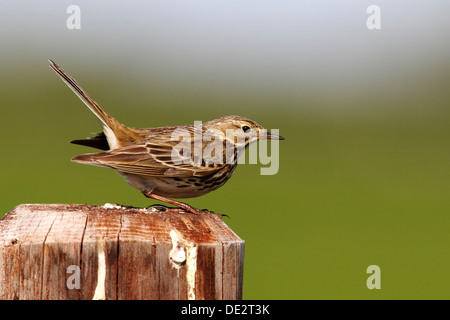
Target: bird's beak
[271,136]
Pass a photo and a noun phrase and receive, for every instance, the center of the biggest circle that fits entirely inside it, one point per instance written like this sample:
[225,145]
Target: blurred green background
[365,168]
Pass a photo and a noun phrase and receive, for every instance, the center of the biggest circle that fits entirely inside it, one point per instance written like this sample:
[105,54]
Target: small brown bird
[154,160]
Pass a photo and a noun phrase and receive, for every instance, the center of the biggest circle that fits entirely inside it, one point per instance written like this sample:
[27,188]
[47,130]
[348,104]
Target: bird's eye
[246,129]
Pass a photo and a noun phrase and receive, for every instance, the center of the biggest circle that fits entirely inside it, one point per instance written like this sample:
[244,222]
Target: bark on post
[59,251]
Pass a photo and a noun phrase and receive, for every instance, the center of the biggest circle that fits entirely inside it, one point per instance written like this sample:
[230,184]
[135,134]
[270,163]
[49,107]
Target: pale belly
[176,187]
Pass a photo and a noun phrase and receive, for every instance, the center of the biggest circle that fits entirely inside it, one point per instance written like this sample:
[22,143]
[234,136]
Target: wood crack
[118,255]
[43,257]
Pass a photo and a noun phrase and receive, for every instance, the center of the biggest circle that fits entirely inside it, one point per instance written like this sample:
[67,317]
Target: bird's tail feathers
[111,127]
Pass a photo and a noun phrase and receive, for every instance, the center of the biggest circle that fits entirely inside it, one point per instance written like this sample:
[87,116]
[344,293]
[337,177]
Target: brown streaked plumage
[154,162]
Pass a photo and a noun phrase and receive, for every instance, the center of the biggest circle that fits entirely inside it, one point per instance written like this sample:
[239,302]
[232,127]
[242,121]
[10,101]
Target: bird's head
[241,131]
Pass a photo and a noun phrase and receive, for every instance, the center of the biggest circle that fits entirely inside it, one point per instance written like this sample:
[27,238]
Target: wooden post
[59,251]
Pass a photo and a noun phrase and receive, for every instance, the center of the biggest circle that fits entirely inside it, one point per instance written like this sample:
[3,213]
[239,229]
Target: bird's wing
[156,160]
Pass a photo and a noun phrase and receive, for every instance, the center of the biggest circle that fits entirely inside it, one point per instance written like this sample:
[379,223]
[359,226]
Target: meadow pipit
[154,160]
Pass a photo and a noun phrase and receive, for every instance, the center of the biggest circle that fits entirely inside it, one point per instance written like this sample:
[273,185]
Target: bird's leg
[181,205]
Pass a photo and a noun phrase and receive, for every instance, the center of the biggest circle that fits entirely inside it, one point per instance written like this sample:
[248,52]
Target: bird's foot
[186,208]
[182,207]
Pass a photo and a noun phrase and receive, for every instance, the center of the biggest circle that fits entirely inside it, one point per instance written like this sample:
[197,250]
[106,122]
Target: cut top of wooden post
[69,251]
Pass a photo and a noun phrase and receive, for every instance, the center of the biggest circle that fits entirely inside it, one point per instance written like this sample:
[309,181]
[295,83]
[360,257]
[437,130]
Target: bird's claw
[192,210]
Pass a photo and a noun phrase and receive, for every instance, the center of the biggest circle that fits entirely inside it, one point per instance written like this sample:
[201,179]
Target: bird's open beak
[272,136]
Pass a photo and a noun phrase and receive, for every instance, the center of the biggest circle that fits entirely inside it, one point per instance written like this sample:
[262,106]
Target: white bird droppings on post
[99,293]
[182,252]
[112,206]
[191,269]
[177,255]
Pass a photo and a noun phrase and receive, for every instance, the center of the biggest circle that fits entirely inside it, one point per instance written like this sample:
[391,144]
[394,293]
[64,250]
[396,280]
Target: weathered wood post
[58,251]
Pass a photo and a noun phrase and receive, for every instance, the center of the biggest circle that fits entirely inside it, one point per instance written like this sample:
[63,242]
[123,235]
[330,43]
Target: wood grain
[119,252]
